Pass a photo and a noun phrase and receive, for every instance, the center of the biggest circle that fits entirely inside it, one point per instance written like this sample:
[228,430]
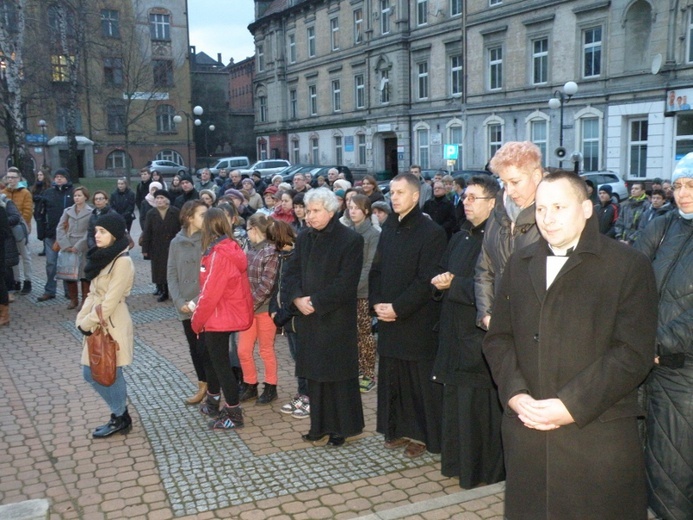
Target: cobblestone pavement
[171,465]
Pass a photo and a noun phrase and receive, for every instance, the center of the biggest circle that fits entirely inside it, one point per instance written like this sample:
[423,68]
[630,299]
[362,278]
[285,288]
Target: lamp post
[560,98]
[576,157]
[211,128]
[42,124]
[177,119]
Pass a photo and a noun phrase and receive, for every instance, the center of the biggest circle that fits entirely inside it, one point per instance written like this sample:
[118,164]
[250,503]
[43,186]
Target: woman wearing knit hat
[111,274]
[148,202]
[208,197]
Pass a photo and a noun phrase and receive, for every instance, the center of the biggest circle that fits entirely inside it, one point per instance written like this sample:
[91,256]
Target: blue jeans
[292,338]
[114,395]
[51,266]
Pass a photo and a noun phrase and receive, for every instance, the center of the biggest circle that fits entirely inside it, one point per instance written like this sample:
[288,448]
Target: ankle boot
[229,418]
[118,423]
[164,294]
[26,289]
[249,392]
[210,405]
[4,315]
[201,393]
[73,295]
[158,291]
[85,293]
[269,394]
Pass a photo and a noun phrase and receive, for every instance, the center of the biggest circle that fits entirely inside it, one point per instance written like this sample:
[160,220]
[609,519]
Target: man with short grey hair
[300,183]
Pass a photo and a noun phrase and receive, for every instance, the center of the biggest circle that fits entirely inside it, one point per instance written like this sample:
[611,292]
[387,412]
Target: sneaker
[366,385]
[302,411]
[229,418]
[210,406]
[289,408]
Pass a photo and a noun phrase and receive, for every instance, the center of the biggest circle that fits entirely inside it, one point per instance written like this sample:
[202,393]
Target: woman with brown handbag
[112,274]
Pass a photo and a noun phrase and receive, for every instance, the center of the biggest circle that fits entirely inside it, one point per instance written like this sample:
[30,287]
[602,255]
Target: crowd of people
[523,318]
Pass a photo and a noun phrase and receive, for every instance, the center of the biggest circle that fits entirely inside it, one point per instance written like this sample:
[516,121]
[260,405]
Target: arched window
[638,24]
[421,133]
[170,155]
[116,160]
[589,135]
[538,132]
[495,127]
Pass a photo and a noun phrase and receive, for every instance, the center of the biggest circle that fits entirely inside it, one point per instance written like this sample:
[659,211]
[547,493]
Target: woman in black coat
[323,277]
[123,201]
[5,233]
[161,226]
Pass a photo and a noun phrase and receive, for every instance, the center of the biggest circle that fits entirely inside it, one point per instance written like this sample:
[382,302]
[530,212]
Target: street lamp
[576,157]
[177,119]
[560,98]
[42,124]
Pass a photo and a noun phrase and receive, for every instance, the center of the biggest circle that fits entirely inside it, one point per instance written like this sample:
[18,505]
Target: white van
[229,163]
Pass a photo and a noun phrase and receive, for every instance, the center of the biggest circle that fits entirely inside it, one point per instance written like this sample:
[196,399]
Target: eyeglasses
[474,198]
[99,198]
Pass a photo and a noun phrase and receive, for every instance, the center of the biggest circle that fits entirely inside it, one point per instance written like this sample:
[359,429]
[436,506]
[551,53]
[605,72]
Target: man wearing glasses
[18,193]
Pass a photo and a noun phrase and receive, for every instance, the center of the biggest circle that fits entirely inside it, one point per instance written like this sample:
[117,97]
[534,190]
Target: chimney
[219,57]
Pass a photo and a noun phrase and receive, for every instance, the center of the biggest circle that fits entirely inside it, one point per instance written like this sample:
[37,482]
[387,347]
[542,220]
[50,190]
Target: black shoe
[45,297]
[42,253]
[336,441]
[210,406]
[269,394]
[249,392]
[158,291]
[17,286]
[163,297]
[120,423]
[312,438]
[27,287]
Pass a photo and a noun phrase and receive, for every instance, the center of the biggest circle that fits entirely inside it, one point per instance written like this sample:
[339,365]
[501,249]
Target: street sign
[450,152]
[36,138]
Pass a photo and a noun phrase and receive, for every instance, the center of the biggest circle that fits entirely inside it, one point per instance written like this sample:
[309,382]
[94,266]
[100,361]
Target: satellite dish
[656,64]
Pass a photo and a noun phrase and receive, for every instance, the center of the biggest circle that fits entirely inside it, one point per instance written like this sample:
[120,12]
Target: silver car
[618,185]
[168,168]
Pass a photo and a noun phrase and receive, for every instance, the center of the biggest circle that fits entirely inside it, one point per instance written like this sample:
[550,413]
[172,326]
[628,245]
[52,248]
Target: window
[313,99]
[421,12]
[336,96]
[456,75]
[539,136]
[260,58]
[160,26]
[311,42]
[423,79]
[110,25]
[494,2]
[455,7]
[384,87]
[115,160]
[60,68]
[293,104]
[292,48]
[170,155]
[358,26]
[360,91]
[164,119]
[592,52]
[262,102]
[637,148]
[540,61]
[422,143]
[163,73]
[315,150]
[115,118]
[494,138]
[263,150]
[334,33]
[690,36]
[495,68]
[338,150]
[62,117]
[113,71]
[295,152]
[362,148]
[589,141]
[455,137]
[384,16]
[8,16]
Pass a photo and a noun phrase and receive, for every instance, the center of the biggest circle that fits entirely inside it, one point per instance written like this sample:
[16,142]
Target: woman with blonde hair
[263,262]
[71,236]
[225,305]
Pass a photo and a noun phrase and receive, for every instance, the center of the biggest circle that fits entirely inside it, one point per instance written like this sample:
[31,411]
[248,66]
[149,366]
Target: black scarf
[100,257]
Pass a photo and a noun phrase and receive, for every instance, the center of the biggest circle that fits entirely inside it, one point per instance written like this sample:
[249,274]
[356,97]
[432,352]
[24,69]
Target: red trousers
[263,331]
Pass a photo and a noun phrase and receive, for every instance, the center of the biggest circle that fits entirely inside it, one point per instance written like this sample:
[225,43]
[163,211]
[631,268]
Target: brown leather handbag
[102,352]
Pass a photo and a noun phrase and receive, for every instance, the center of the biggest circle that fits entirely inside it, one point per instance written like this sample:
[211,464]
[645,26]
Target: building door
[390,149]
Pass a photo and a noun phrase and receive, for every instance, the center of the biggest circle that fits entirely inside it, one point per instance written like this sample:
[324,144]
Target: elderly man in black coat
[572,337]
[322,280]
[410,247]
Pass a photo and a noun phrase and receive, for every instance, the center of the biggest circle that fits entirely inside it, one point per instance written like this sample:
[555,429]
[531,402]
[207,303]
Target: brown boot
[4,315]
[85,293]
[73,293]
[201,393]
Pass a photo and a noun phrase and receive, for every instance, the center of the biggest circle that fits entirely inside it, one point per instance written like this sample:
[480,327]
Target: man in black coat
[572,337]
[322,278]
[441,209]
[189,192]
[410,247]
[54,201]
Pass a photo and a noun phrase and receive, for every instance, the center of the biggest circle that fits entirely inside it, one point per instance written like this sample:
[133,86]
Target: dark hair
[487,183]
[231,210]
[158,173]
[298,199]
[102,193]
[660,193]
[363,203]
[125,180]
[188,211]
[259,221]
[372,180]
[461,182]
[576,182]
[215,225]
[280,233]
[290,193]
[641,183]
[84,191]
[410,179]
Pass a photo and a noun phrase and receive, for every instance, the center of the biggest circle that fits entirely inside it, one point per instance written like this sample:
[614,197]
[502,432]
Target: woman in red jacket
[225,305]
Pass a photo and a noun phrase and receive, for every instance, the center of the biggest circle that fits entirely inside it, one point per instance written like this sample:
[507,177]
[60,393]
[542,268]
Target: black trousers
[198,351]
[218,370]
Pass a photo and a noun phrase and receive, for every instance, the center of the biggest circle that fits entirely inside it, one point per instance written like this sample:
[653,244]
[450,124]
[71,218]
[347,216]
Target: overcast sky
[221,26]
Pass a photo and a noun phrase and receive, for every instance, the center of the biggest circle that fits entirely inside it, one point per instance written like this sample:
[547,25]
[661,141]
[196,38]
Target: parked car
[168,168]
[228,163]
[267,167]
[314,170]
[618,185]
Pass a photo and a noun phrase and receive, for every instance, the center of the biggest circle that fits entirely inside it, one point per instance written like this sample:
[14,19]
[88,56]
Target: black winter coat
[280,302]
[668,242]
[141,191]
[9,254]
[459,360]
[54,201]
[407,257]
[124,203]
[156,239]
[442,212]
[326,266]
[185,197]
